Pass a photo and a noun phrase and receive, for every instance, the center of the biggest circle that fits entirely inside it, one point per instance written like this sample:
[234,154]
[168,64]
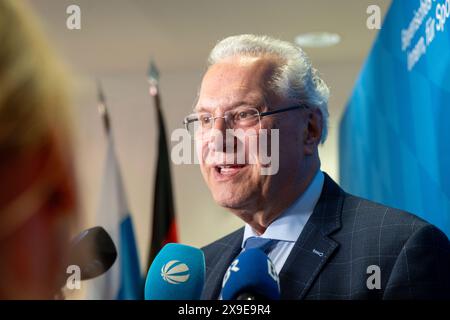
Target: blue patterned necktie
[263,244]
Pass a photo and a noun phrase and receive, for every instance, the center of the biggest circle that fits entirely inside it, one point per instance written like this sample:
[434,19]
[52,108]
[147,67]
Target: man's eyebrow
[200,109]
[234,105]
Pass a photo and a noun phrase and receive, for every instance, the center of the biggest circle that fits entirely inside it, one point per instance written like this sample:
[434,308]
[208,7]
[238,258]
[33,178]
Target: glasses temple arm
[268,113]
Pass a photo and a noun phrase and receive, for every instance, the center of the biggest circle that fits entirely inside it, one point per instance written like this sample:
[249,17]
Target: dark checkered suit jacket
[352,234]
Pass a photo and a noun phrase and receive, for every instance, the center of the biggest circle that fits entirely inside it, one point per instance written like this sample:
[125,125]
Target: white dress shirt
[288,226]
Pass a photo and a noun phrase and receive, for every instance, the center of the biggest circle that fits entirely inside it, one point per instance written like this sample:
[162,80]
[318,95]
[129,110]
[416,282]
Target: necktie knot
[266,245]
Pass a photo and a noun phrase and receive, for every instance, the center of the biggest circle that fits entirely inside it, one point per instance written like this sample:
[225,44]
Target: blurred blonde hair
[37,189]
[33,95]
[34,111]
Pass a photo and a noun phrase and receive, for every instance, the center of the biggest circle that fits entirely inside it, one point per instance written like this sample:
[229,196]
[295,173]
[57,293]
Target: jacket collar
[216,271]
[314,246]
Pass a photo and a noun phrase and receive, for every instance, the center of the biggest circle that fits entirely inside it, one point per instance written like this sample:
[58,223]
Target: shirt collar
[289,225]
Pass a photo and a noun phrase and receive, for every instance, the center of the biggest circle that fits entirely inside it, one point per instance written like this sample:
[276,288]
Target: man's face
[241,82]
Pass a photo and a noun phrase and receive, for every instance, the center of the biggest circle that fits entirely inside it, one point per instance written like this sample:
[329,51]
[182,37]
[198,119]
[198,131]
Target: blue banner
[395,132]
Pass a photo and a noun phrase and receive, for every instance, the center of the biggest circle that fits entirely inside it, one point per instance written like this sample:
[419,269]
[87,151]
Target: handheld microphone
[93,251]
[177,273]
[251,276]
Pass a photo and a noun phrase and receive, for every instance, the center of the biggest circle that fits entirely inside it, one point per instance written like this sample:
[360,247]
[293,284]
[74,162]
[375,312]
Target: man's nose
[220,124]
[217,139]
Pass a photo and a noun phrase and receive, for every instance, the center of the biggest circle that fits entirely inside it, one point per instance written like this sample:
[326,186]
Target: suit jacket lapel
[224,257]
[313,247]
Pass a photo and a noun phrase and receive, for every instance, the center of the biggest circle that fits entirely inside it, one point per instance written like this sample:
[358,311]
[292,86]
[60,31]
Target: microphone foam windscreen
[93,251]
[252,272]
[177,273]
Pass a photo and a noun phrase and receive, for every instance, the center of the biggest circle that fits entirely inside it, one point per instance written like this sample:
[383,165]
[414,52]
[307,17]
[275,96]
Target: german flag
[164,227]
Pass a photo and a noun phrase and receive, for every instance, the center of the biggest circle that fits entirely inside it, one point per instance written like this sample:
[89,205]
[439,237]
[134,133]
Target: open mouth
[228,170]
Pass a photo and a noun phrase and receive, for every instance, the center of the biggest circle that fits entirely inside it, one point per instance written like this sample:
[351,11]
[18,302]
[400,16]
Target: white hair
[295,77]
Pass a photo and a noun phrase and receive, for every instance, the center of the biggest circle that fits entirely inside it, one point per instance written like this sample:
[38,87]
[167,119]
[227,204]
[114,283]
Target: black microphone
[93,251]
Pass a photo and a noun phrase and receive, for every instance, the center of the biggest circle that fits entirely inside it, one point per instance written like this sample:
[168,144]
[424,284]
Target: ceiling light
[317,39]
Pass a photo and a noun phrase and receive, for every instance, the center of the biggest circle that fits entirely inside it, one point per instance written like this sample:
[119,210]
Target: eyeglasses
[201,123]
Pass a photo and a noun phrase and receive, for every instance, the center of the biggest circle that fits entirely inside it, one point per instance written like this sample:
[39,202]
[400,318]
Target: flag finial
[153,77]
[102,109]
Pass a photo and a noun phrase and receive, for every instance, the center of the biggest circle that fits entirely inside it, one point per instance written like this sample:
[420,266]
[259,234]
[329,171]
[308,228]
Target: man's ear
[313,131]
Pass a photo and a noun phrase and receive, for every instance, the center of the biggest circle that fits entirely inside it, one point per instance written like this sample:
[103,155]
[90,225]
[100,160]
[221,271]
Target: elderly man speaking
[326,243]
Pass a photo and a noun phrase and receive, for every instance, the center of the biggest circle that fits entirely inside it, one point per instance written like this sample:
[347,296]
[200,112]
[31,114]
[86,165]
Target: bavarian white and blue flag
[124,280]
